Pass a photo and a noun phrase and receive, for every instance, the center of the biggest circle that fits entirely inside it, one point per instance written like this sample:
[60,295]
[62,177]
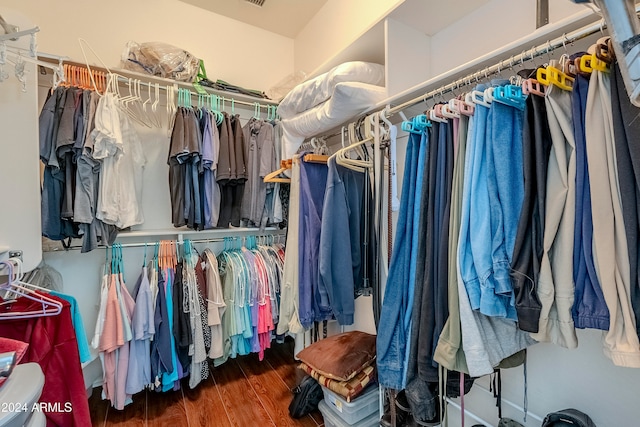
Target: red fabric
[7,346]
[53,345]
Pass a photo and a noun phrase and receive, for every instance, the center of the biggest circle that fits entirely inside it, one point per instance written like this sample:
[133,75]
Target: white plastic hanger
[50,307]
[393,162]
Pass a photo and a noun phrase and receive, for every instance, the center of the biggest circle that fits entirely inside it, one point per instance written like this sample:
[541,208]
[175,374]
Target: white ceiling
[432,16]
[284,17]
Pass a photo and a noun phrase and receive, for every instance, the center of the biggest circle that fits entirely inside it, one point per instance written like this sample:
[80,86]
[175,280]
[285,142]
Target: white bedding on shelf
[317,90]
[347,101]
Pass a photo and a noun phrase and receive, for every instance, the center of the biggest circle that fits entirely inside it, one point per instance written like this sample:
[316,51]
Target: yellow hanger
[553,76]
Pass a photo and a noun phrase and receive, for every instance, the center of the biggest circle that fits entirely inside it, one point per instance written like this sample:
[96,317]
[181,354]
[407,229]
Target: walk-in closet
[320,213]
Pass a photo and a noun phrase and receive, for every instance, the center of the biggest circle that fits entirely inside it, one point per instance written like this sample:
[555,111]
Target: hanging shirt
[122,397]
[260,156]
[104,294]
[215,304]
[229,318]
[162,360]
[172,375]
[313,181]
[139,370]
[289,318]
[119,147]
[78,326]
[111,339]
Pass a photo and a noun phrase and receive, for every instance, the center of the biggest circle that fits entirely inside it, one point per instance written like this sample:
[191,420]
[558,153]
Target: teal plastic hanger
[155,255]
[121,258]
[510,95]
[417,125]
[144,259]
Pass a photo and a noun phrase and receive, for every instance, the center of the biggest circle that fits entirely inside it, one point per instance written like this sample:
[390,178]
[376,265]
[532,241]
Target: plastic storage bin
[358,409]
[331,418]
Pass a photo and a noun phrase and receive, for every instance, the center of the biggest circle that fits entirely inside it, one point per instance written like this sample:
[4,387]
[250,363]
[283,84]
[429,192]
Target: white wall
[235,52]
[403,43]
[19,173]
[334,27]
[490,27]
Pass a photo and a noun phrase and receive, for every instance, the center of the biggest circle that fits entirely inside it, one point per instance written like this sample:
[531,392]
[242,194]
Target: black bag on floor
[568,418]
[306,397]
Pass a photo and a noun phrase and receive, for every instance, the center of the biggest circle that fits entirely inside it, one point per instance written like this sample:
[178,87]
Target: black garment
[419,395]
[181,322]
[232,181]
[626,128]
[230,203]
[56,182]
[441,295]
[176,190]
[161,361]
[177,172]
[434,306]
[528,248]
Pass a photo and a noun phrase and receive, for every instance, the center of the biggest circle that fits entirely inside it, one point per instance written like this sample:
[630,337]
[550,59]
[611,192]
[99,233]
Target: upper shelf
[163,82]
[426,16]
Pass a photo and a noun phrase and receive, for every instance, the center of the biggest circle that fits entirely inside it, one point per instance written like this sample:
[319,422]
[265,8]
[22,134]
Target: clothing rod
[34,61]
[18,34]
[126,80]
[179,242]
[41,55]
[506,64]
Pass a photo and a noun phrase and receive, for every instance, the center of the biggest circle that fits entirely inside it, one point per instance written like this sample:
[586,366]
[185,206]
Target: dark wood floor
[242,392]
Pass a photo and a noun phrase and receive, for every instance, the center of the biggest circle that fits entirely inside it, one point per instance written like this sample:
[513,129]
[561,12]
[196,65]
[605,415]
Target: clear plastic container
[358,409]
[332,418]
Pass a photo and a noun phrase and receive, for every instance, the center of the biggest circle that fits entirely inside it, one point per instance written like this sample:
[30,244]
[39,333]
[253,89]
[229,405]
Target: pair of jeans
[506,191]
[392,336]
[476,253]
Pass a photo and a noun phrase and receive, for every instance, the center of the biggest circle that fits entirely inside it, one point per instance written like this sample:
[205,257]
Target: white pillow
[348,100]
[315,91]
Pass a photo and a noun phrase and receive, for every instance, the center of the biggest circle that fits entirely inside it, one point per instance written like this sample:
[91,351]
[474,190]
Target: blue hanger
[144,260]
[121,258]
[510,95]
[417,125]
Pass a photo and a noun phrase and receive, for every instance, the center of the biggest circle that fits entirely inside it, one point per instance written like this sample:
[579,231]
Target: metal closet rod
[526,55]
[179,242]
[126,80]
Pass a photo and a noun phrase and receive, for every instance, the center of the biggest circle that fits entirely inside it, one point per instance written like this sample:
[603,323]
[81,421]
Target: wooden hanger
[316,158]
[274,176]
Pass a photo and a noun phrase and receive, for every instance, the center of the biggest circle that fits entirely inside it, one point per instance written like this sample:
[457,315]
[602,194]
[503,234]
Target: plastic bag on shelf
[284,86]
[160,59]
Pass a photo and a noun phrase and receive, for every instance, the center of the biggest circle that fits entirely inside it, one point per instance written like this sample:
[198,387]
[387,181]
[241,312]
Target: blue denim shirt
[313,298]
